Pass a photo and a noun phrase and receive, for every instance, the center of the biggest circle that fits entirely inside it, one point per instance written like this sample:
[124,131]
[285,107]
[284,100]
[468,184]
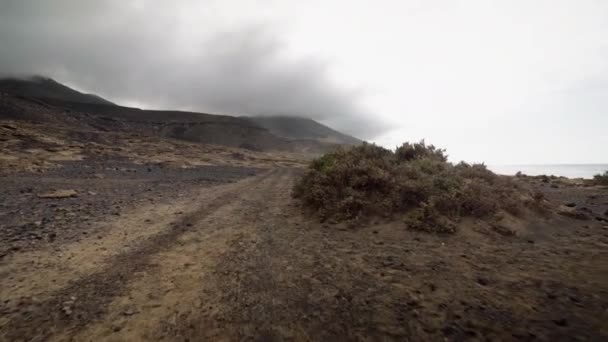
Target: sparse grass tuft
[415,182]
[601,179]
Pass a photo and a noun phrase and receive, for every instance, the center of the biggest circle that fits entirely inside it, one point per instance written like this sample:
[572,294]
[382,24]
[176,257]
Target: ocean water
[564,170]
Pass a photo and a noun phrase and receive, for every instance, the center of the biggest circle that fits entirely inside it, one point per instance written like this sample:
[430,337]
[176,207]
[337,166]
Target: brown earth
[36,147]
[218,258]
[92,122]
[123,236]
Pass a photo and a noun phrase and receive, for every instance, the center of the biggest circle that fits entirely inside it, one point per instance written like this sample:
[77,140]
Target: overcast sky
[496,81]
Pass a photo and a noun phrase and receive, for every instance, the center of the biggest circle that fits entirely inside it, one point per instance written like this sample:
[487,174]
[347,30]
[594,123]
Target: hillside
[295,128]
[192,127]
[45,100]
[45,88]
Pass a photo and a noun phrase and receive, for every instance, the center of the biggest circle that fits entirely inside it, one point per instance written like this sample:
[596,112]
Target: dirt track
[240,261]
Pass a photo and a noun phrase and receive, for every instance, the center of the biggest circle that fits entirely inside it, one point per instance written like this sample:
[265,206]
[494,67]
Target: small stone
[130,311]
[483,281]
[570,204]
[562,322]
[448,330]
[573,213]
[59,194]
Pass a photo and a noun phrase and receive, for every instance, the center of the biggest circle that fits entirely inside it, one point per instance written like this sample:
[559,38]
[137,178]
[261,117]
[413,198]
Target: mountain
[194,127]
[42,99]
[295,128]
[39,87]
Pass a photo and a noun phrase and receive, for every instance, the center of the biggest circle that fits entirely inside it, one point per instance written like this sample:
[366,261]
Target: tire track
[276,280]
[252,279]
[85,300]
[183,287]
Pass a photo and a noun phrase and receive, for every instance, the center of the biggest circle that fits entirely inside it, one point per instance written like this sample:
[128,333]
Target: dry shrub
[411,151]
[601,179]
[346,183]
[415,181]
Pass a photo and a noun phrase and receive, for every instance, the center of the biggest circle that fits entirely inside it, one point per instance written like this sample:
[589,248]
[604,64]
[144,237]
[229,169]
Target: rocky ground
[37,147]
[63,204]
[121,237]
[219,253]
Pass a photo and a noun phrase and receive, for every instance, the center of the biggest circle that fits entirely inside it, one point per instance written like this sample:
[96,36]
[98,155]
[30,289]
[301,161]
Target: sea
[564,170]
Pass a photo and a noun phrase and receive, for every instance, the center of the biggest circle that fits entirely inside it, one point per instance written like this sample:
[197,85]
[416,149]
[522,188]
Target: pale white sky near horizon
[503,82]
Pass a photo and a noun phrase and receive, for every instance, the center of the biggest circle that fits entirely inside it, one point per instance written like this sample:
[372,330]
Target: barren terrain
[113,233]
[206,254]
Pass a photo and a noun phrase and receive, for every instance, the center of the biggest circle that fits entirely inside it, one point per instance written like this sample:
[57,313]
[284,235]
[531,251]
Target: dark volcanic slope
[303,129]
[45,88]
[45,100]
[195,127]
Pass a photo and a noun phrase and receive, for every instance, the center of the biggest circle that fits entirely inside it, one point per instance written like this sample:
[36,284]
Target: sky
[501,82]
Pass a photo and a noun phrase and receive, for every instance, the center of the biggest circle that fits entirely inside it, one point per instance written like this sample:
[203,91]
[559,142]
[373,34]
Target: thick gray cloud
[505,82]
[142,53]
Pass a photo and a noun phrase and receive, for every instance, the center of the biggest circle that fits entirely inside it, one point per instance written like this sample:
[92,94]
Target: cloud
[135,52]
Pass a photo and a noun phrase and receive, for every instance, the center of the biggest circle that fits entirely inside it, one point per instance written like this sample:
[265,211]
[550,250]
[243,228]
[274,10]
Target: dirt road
[240,261]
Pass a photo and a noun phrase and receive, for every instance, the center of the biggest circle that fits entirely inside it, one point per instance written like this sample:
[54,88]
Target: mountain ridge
[300,128]
[41,87]
[47,100]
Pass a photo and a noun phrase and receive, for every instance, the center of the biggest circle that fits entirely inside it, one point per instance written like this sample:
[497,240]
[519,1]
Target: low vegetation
[601,179]
[414,182]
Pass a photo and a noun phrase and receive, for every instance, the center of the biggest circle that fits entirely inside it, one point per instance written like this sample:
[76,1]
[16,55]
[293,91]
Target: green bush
[410,151]
[415,181]
[601,179]
[340,183]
